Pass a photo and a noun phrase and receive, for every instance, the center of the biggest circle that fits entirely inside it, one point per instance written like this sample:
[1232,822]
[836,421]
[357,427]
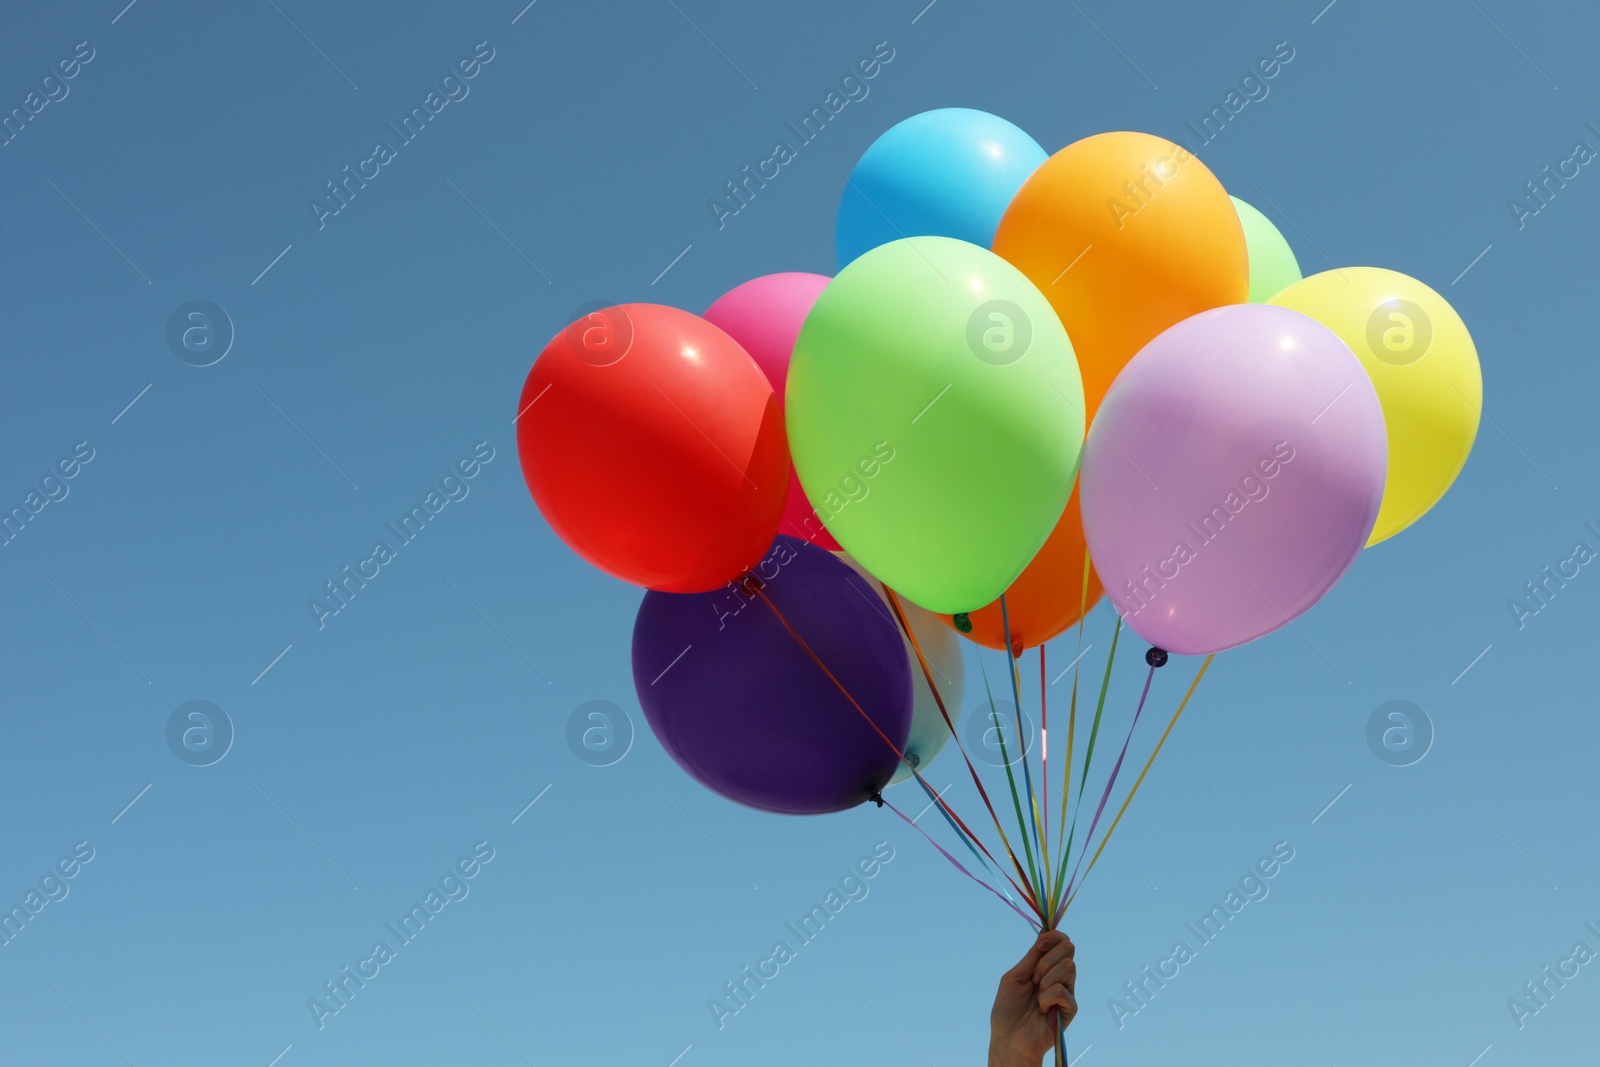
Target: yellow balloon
[1424,366]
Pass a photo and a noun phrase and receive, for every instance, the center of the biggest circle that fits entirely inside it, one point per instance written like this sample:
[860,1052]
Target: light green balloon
[1273,267]
[935,417]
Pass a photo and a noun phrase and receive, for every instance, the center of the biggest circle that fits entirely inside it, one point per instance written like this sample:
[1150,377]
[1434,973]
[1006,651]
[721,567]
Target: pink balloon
[1231,476]
[765,315]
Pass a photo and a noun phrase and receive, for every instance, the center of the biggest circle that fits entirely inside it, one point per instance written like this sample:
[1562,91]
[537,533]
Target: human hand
[1022,1025]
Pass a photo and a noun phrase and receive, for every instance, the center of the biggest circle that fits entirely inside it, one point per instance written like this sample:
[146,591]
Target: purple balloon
[1232,475]
[739,704]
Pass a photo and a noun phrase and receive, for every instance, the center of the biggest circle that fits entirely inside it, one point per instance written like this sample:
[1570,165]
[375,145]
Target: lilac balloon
[737,701]
[1232,475]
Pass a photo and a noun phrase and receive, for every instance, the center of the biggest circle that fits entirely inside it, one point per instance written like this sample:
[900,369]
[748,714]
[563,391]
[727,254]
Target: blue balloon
[945,173]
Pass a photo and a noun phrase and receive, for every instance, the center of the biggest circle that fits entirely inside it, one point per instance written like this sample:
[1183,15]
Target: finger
[1064,973]
[1060,998]
[1024,970]
[1062,949]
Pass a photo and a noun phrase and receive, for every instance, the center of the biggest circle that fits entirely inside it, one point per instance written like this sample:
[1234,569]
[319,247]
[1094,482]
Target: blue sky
[376,348]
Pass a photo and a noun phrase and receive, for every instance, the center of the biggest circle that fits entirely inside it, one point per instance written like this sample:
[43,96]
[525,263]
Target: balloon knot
[875,796]
[963,623]
[1156,657]
[751,585]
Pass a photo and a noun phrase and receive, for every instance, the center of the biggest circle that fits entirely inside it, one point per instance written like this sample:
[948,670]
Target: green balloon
[1273,267]
[935,417]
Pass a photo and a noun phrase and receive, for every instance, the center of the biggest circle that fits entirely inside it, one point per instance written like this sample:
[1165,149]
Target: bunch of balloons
[1035,380]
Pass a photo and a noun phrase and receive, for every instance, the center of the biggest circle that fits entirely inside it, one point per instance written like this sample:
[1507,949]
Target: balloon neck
[875,796]
[963,623]
[913,759]
[1156,657]
[750,585]
[1016,649]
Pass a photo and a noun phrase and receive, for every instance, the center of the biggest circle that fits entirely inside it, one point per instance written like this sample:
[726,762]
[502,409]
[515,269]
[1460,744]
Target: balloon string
[1062,856]
[916,646]
[1022,738]
[1116,769]
[818,661]
[1011,778]
[1030,920]
[1072,725]
[1088,756]
[985,864]
[1099,709]
[1044,768]
[905,625]
[1137,782]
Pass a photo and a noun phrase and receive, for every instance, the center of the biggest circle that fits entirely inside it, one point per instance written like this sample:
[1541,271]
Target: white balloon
[942,648]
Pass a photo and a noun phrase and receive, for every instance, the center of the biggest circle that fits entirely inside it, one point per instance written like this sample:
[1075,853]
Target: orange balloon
[1044,599]
[1126,234]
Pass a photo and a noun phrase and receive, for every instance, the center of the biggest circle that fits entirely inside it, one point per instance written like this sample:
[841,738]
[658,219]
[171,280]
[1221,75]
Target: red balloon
[655,447]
